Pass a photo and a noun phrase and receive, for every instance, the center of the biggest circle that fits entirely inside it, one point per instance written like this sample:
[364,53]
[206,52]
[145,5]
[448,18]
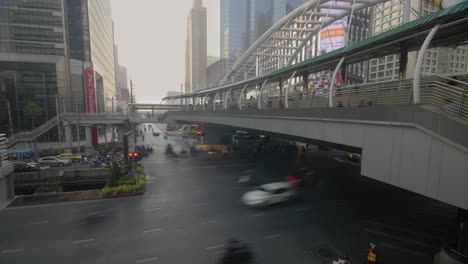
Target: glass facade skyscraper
[101,33]
[32,60]
[195,53]
[244,21]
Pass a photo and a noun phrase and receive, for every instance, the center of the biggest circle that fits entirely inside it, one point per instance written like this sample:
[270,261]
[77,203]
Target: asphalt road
[193,206]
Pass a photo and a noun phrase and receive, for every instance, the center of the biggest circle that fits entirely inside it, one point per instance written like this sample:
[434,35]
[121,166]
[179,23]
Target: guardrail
[30,135]
[3,146]
[449,95]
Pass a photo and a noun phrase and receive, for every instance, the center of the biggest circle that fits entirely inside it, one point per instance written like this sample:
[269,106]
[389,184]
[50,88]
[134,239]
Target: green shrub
[114,175]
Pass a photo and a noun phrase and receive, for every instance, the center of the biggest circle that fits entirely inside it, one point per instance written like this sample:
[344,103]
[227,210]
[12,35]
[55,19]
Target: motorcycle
[183,153]
[235,252]
[342,260]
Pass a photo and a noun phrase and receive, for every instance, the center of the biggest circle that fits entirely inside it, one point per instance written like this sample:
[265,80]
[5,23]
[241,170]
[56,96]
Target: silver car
[54,162]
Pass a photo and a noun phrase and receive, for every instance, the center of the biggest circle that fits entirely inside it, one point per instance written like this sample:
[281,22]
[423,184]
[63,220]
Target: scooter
[342,260]
[235,253]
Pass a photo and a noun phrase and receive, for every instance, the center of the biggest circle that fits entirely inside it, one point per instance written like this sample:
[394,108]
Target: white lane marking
[301,209]
[83,241]
[214,247]
[152,230]
[12,250]
[146,260]
[272,236]
[200,204]
[257,215]
[152,209]
[209,222]
[40,223]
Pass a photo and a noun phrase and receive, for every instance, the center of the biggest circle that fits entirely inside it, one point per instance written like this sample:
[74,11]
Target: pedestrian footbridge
[412,130]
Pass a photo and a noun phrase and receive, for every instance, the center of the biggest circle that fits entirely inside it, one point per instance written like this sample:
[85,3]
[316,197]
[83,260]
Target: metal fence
[3,146]
[449,95]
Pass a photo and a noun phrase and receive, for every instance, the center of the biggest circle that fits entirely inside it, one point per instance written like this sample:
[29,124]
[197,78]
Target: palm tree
[33,110]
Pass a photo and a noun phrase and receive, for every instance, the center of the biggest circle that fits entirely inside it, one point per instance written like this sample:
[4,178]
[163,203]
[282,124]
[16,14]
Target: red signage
[90,91]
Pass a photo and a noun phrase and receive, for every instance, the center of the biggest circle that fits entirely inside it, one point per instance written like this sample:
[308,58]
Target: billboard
[90,91]
[333,36]
[90,99]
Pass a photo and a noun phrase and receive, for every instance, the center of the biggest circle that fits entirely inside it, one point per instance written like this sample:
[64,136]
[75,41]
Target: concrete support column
[120,134]
[88,138]
[68,138]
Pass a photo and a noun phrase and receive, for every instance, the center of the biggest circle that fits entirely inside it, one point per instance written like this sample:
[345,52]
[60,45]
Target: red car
[300,177]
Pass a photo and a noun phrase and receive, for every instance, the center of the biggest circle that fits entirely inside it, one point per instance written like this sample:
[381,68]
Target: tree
[33,111]
[114,174]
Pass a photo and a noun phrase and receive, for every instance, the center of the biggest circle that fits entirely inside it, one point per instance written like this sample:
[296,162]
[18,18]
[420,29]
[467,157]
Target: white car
[54,162]
[269,194]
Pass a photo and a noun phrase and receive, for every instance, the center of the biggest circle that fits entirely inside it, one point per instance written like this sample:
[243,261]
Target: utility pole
[58,121]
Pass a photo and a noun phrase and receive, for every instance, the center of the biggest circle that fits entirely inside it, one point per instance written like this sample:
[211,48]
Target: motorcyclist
[169,148]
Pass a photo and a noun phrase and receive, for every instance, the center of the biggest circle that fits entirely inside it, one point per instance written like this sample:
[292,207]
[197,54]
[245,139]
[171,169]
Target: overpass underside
[418,148]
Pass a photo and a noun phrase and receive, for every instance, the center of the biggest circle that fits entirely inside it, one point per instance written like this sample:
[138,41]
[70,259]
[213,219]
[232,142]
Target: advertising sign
[333,36]
[90,99]
[90,91]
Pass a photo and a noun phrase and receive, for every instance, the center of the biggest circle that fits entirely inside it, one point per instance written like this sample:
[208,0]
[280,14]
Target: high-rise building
[244,21]
[437,60]
[195,53]
[215,72]
[33,60]
[101,32]
[45,48]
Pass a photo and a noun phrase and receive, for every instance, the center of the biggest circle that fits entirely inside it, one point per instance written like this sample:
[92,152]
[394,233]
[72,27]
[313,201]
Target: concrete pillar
[88,138]
[68,138]
[120,132]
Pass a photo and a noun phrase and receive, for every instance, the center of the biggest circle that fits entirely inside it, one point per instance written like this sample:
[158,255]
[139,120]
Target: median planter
[138,187]
[119,184]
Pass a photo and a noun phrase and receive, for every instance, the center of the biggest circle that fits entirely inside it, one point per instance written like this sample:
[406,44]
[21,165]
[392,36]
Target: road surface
[193,206]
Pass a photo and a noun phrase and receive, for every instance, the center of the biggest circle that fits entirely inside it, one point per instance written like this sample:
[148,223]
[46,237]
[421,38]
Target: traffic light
[135,155]
[130,154]
[199,132]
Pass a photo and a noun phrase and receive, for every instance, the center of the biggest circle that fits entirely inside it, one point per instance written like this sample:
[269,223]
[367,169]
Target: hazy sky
[151,37]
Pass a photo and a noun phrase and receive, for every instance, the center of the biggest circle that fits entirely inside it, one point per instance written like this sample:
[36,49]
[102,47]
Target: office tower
[195,53]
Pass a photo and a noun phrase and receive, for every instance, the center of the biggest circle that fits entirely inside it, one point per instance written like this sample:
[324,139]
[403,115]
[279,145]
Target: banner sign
[333,36]
[90,91]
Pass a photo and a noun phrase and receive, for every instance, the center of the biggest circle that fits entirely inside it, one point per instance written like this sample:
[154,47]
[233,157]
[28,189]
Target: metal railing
[31,135]
[93,116]
[449,95]
[3,146]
